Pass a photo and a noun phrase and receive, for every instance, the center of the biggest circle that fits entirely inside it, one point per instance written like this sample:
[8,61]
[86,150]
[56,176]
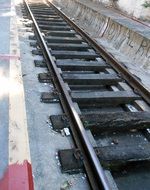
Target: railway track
[105,108]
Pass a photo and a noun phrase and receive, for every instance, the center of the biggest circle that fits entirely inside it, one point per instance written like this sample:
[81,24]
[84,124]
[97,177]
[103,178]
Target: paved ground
[4,75]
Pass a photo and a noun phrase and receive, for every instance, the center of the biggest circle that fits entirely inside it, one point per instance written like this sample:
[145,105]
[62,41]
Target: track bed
[107,118]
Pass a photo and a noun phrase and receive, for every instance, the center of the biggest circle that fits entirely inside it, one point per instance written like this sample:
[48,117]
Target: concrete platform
[4,69]
[15,165]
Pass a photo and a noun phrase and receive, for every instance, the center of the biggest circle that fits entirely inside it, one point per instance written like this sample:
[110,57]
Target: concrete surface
[14,147]
[126,39]
[4,75]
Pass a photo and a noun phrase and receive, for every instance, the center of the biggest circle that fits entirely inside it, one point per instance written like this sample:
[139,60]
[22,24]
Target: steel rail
[125,73]
[95,172]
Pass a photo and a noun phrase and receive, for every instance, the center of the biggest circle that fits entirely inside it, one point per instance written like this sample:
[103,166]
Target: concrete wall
[123,35]
[131,7]
[127,40]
